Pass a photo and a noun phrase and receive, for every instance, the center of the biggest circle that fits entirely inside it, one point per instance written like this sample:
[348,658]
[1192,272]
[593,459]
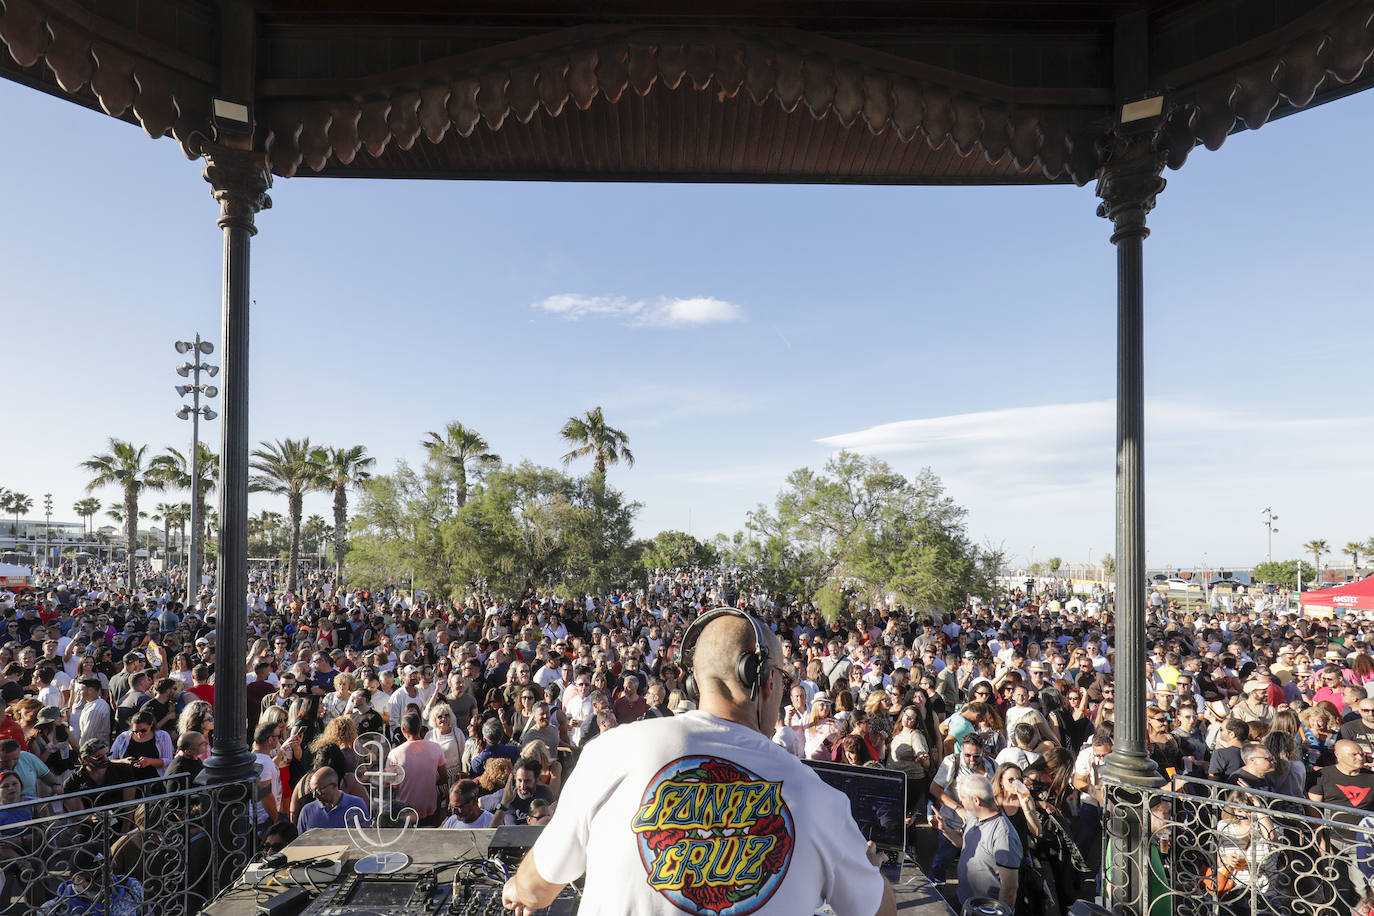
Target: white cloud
[1045,475]
[663,312]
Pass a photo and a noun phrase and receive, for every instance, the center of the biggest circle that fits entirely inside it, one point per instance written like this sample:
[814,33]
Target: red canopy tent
[1355,596]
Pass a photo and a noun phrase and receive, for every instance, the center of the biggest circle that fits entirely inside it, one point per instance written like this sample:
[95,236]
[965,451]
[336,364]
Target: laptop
[877,802]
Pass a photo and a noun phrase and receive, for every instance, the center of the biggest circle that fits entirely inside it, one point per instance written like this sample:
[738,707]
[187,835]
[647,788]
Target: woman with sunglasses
[820,729]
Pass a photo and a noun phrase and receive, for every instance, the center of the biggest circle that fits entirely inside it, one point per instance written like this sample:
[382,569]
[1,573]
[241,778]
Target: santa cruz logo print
[714,838]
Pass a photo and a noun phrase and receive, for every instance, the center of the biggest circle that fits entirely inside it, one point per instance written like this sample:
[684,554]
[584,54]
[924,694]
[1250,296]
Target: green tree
[591,435]
[17,504]
[1353,549]
[290,468]
[314,531]
[1317,548]
[677,550]
[531,527]
[1036,569]
[396,531]
[859,528]
[464,452]
[264,534]
[1285,572]
[344,469]
[87,508]
[523,528]
[124,466]
[1108,565]
[1055,563]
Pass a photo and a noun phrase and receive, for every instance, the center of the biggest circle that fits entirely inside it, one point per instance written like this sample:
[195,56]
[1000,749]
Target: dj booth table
[431,847]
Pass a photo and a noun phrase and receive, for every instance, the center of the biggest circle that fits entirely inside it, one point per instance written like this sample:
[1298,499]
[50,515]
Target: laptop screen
[877,800]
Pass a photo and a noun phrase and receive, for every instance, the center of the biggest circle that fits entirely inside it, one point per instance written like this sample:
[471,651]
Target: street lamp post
[47,529]
[193,369]
[1269,519]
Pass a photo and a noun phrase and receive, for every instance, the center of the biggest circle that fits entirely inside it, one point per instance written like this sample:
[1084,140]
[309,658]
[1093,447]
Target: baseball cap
[410,669]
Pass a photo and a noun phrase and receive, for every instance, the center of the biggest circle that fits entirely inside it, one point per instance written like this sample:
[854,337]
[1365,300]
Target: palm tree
[175,469]
[123,466]
[19,504]
[166,513]
[460,446]
[314,530]
[344,468]
[86,509]
[1353,549]
[116,513]
[591,436]
[1318,547]
[179,515]
[289,468]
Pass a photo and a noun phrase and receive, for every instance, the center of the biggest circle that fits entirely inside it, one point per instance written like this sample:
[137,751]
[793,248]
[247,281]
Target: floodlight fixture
[184,369]
[209,414]
[206,347]
[212,371]
[184,390]
[184,413]
[210,391]
[183,345]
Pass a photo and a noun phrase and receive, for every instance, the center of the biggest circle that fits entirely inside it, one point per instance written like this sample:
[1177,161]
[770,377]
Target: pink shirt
[1334,694]
[421,762]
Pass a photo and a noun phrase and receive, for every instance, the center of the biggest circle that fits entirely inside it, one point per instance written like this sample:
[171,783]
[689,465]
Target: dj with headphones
[702,813]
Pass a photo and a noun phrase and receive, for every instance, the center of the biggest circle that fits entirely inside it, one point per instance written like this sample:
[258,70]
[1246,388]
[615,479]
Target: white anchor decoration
[381,783]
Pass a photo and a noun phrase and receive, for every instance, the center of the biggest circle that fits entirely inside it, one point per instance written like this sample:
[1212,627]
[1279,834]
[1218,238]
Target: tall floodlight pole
[47,529]
[194,368]
[1269,519]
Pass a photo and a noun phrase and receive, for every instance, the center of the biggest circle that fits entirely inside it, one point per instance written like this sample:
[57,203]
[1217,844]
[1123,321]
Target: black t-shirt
[1226,762]
[520,807]
[1355,791]
[180,764]
[1360,733]
[115,775]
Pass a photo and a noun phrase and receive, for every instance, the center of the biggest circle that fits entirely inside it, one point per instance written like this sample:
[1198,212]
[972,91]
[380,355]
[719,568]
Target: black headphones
[751,668]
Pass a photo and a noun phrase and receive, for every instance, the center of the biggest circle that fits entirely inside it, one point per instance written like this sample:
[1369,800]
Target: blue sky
[735,332]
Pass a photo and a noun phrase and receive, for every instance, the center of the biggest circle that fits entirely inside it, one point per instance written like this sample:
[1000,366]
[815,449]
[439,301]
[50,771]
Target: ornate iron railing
[1212,849]
[160,854]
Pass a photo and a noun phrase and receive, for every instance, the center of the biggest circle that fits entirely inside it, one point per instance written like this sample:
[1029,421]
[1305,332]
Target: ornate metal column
[239,180]
[1128,185]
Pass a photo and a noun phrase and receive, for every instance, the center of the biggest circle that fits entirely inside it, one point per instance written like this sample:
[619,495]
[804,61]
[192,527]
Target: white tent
[12,576]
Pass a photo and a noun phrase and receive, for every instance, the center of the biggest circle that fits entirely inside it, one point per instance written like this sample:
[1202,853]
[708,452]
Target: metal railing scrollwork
[151,856]
[1211,849]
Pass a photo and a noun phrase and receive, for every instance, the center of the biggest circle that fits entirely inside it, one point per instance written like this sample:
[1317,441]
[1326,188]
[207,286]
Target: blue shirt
[315,814]
[508,751]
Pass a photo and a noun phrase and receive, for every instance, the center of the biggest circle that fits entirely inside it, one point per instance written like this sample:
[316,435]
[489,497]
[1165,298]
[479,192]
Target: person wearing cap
[120,683]
[411,692]
[98,772]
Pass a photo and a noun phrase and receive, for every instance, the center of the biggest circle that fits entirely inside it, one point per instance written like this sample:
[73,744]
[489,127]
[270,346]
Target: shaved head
[718,650]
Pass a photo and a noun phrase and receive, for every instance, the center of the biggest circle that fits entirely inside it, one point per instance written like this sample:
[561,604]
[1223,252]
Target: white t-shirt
[647,810]
[268,773]
[453,822]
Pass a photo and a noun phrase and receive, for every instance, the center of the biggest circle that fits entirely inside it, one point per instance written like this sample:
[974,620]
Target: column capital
[239,180]
[1128,184]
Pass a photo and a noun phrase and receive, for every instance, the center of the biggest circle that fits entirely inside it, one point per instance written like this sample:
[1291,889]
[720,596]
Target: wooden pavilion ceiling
[919,91]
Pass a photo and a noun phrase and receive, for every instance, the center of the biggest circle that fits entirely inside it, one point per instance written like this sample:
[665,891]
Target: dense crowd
[1000,714]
